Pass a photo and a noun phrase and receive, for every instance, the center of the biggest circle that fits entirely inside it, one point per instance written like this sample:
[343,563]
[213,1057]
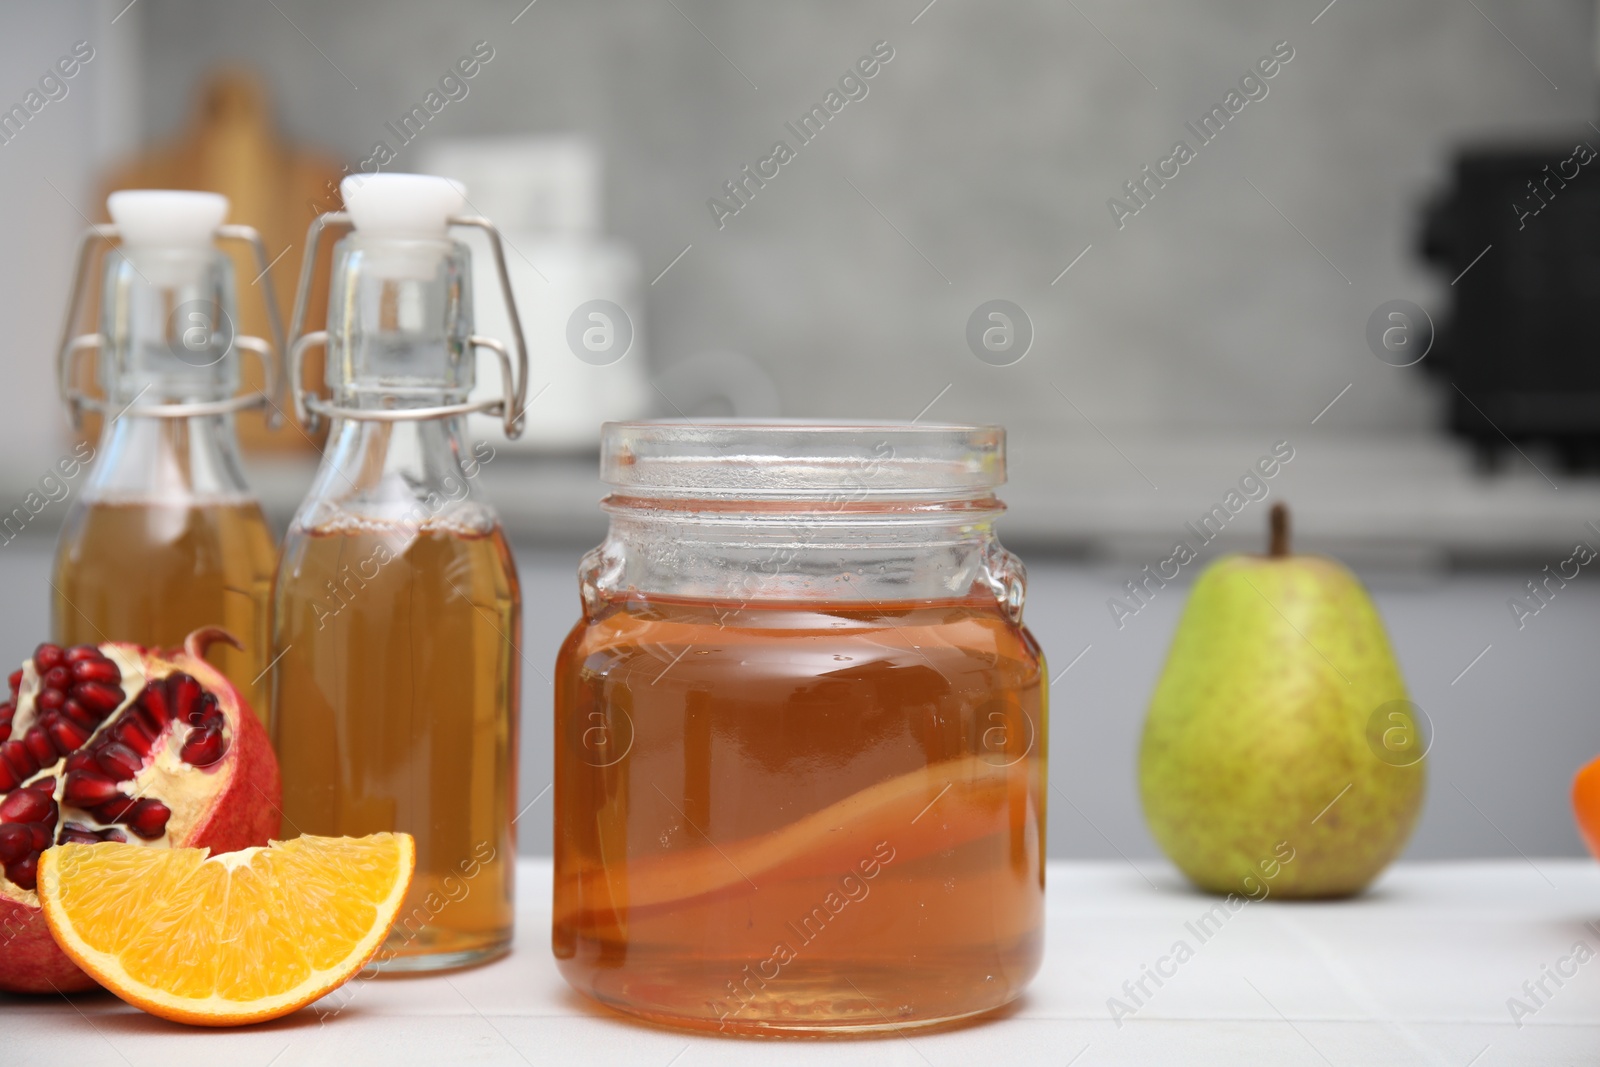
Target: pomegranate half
[117,742]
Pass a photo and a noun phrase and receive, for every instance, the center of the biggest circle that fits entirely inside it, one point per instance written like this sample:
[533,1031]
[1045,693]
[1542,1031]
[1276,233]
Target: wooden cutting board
[231,146]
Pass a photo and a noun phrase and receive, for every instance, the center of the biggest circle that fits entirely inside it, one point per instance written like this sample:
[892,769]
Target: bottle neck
[168,460]
[413,474]
[398,321]
[168,326]
[167,337]
[400,313]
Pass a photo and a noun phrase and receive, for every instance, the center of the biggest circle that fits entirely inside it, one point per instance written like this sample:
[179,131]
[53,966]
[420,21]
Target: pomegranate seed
[82,760]
[79,834]
[67,734]
[131,732]
[184,692]
[15,842]
[25,805]
[69,835]
[5,734]
[204,747]
[95,670]
[147,720]
[120,761]
[113,809]
[149,818]
[83,652]
[40,833]
[85,789]
[9,779]
[8,711]
[24,872]
[80,714]
[16,681]
[40,747]
[48,656]
[98,697]
[57,678]
[154,702]
[43,785]
[50,700]
[17,759]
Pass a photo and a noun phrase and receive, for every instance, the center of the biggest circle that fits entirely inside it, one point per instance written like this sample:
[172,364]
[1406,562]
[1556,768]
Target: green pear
[1281,755]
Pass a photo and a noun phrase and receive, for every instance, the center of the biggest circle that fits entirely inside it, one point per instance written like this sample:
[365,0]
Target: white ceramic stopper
[169,218]
[402,205]
[168,234]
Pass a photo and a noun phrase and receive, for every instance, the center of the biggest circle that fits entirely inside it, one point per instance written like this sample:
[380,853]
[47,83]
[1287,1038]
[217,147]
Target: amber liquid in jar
[152,572]
[413,634]
[789,816]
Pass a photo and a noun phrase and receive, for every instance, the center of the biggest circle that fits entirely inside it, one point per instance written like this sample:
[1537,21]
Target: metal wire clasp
[310,408]
[268,354]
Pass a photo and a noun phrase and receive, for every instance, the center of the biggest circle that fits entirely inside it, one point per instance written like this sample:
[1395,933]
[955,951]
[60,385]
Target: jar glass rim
[801,458]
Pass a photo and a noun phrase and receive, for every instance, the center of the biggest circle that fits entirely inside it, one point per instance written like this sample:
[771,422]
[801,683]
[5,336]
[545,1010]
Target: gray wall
[48,178]
[991,142]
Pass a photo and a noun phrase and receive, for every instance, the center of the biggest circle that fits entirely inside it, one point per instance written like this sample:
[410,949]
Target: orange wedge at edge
[223,940]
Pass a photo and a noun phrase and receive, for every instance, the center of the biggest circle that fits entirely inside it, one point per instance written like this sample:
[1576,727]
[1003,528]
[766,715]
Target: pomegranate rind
[245,812]
[214,1011]
[30,959]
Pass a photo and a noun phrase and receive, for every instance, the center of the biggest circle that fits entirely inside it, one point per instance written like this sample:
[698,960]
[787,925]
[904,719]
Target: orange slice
[223,940]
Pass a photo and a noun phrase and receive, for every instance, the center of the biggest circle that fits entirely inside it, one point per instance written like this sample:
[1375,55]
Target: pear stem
[1278,540]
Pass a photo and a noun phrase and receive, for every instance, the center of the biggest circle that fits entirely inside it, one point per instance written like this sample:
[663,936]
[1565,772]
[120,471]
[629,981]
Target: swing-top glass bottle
[165,536]
[397,607]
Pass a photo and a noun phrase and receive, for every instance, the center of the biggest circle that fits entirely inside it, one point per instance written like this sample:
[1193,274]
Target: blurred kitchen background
[1248,301]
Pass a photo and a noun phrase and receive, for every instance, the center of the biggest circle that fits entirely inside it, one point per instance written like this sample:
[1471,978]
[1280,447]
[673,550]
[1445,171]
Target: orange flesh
[238,937]
[1586,804]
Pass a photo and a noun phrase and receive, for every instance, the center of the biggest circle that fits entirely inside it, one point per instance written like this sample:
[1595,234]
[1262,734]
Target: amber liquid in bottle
[790,816]
[413,635]
[153,571]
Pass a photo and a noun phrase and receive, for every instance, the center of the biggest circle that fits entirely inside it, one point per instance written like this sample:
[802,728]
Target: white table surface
[1418,971]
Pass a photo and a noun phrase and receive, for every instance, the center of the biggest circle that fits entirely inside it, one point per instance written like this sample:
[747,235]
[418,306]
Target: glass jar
[800,733]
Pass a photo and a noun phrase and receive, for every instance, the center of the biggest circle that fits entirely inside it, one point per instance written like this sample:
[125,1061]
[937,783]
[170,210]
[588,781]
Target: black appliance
[1519,235]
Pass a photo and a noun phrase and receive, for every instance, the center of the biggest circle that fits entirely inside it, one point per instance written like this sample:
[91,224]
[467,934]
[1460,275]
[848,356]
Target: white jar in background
[578,291]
